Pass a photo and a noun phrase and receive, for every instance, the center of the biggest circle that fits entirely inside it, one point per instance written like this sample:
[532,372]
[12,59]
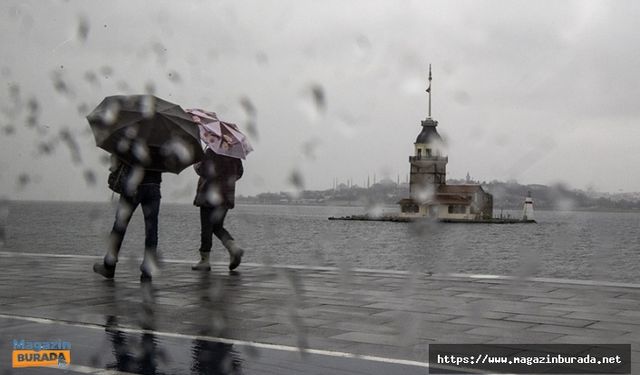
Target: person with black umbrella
[146,136]
[136,186]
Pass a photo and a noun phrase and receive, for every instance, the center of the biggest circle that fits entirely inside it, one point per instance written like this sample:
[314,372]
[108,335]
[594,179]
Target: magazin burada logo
[41,353]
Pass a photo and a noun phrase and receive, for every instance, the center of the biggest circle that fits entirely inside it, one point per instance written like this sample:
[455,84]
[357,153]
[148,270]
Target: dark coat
[217,182]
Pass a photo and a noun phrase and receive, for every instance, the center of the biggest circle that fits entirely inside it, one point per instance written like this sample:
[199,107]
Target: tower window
[419,155]
[428,151]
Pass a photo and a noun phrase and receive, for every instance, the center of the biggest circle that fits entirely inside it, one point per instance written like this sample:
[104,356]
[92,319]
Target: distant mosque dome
[429,134]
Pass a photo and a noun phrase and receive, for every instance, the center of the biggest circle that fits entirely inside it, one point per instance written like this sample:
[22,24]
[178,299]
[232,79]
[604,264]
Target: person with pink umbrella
[224,147]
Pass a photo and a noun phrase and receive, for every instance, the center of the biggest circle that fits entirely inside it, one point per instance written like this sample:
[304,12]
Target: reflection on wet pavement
[125,350]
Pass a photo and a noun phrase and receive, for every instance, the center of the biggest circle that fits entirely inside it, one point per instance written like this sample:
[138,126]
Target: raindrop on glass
[70,141]
[9,130]
[111,112]
[174,76]
[31,121]
[123,146]
[150,88]
[83,109]
[248,106]
[148,106]
[45,148]
[123,87]
[83,29]
[33,106]
[141,152]
[105,159]
[90,177]
[313,101]
[23,180]
[319,97]
[4,216]
[296,180]
[92,78]
[262,58]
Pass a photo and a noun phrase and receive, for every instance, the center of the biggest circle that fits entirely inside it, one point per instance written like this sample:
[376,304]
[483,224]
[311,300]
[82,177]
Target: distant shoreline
[331,204]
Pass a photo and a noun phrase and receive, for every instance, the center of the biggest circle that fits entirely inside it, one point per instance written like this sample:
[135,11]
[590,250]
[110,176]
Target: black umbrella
[147,131]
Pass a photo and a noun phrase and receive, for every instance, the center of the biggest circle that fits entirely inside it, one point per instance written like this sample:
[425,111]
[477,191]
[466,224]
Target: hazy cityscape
[507,195]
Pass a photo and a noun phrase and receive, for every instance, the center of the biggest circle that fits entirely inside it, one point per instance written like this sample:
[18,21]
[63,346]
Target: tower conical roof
[429,132]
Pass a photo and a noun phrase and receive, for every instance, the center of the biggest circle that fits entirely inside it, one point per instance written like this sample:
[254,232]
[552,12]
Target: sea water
[572,245]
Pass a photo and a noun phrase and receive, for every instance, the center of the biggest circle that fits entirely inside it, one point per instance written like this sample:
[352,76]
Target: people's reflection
[131,355]
[211,357]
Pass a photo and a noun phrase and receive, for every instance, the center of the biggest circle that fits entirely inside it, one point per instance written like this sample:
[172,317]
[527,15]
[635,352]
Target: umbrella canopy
[147,131]
[222,137]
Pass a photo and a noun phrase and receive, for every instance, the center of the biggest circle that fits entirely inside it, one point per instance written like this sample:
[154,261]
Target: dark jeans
[211,222]
[148,196]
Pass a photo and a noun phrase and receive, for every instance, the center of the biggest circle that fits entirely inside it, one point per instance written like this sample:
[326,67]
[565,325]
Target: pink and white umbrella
[222,137]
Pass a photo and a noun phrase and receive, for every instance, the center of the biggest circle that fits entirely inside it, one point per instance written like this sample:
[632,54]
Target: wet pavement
[290,320]
[95,349]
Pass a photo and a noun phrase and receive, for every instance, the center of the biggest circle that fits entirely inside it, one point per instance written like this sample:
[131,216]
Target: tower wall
[427,173]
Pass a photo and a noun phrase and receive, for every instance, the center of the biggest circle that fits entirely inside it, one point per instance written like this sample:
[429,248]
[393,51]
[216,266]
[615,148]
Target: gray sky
[537,91]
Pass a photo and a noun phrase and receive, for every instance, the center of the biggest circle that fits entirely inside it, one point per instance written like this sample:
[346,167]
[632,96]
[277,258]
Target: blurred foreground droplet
[426,193]
[9,130]
[4,216]
[83,109]
[248,106]
[309,148]
[23,180]
[33,105]
[141,152]
[14,92]
[46,148]
[111,113]
[150,88]
[177,150]
[363,48]
[174,76]
[90,177]
[83,29]
[105,159]
[161,52]
[297,181]
[69,140]
[106,71]
[92,78]
[462,97]
[148,106]
[319,97]
[313,102]
[123,87]
[251,113]
[60,85]
[375,210]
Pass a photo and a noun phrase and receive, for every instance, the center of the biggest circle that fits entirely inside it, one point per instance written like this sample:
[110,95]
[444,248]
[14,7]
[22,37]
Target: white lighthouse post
[527,210]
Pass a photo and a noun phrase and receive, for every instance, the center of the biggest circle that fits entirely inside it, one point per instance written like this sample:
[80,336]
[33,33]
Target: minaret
[429,162]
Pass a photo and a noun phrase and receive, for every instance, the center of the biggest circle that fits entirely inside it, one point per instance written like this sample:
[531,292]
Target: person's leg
[150,202]
[206,232]
[235,253]
[126,207]
[217,217]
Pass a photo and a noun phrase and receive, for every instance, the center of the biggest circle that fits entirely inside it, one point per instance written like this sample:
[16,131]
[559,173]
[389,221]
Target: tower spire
[429,90]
